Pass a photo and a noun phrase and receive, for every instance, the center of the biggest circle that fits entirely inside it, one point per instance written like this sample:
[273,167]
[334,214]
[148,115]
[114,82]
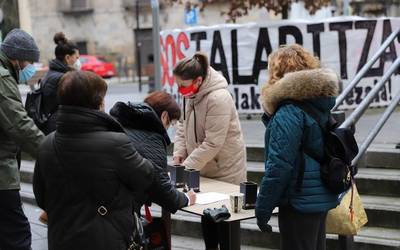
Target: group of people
[93,169]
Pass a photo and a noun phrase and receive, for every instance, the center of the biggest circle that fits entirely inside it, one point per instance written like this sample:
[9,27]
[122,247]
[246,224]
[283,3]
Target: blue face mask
[27,73]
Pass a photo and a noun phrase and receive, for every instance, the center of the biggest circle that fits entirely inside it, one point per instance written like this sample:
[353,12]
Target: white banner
[240,53]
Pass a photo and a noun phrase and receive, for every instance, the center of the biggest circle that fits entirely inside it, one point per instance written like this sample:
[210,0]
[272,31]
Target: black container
[192,180]
[249,189]
[177,175]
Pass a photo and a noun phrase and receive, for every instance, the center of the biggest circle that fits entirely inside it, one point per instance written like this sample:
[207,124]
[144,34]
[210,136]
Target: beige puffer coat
[209,136]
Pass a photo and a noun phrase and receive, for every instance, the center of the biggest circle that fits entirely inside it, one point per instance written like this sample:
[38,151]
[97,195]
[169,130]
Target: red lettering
[182,40]
[164,64]
[170,44]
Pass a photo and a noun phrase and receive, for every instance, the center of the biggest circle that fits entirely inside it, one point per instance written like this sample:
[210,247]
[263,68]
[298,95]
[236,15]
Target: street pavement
[253,129]
[39,234]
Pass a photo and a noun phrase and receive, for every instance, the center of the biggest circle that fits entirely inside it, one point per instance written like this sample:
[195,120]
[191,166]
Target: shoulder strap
[311,112]
[306,108]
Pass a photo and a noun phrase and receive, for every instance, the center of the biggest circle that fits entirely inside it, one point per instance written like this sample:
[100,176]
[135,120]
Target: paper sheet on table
[210,197]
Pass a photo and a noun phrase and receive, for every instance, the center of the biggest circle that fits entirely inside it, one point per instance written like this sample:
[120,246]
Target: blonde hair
[289,58]
[192,67]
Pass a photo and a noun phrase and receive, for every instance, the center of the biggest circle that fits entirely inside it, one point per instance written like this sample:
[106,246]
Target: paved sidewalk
[39,234]
[253,129]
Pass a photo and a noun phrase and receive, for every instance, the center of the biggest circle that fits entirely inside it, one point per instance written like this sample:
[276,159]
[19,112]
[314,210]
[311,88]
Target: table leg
[230,235]
[166,217]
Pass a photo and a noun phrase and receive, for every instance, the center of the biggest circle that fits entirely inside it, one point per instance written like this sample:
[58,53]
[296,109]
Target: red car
[98,65]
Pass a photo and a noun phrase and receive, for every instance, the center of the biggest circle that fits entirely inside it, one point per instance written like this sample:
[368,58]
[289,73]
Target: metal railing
[363,106]
[365,69]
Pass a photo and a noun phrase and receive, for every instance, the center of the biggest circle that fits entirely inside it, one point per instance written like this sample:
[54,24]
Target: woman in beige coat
[209,137]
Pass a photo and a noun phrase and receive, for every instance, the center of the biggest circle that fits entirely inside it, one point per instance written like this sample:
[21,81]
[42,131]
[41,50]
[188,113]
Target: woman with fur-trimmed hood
[295,75]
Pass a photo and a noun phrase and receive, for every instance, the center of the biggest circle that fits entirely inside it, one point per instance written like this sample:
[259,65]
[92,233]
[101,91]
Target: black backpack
[33,106]
[340,148]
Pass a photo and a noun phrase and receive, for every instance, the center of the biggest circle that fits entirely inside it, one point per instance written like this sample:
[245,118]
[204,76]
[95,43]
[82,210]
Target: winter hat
[19,45]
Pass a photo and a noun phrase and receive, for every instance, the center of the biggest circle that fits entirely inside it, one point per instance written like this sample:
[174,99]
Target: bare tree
[238,8]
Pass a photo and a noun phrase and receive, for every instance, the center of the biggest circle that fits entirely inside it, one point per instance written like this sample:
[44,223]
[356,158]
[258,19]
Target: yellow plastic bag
[349,216]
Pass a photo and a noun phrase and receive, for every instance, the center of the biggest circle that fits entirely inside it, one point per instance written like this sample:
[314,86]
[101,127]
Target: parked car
[98,65]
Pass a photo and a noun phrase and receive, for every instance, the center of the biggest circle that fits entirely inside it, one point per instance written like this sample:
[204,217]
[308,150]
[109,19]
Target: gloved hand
[263,225]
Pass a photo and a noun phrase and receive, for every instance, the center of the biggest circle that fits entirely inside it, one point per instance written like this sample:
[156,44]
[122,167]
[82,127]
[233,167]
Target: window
[82,47]
[79,4]
[75,7]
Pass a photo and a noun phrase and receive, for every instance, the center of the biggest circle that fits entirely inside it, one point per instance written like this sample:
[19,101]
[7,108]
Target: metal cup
[236,202]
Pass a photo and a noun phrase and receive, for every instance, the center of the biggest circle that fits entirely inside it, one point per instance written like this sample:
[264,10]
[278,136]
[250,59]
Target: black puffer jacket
[150,138]
[49,89]
[95,165]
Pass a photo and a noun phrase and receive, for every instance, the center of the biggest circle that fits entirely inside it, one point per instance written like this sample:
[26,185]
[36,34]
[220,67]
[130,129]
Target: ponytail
[192,67]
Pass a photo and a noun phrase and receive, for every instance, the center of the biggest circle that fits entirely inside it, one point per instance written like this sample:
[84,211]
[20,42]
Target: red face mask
[189,90]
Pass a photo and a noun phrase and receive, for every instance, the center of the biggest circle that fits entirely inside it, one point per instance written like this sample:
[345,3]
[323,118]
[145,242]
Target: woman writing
[146,125]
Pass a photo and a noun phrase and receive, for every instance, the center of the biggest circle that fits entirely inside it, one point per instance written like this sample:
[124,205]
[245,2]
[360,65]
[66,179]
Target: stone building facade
[109,28]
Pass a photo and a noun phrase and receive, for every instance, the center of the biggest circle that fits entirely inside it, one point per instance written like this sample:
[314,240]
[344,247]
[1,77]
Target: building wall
[109,28]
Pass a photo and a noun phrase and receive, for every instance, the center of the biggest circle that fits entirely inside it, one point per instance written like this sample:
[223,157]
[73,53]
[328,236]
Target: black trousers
[211,233]
[15,231]
[301,231]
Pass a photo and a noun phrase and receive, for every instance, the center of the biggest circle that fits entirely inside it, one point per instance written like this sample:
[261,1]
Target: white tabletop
[211,185]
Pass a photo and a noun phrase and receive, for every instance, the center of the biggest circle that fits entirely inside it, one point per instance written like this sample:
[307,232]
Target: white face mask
[77,65]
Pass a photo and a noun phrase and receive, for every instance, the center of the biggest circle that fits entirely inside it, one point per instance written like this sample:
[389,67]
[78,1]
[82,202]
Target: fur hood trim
[299,86]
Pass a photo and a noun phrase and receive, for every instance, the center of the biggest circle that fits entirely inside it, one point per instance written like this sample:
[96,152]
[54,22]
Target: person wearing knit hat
[17,131]
[21,49]
[21,46]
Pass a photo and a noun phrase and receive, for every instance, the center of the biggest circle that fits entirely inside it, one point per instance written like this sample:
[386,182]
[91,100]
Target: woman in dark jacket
[67,59]
[87,170]
[295,74]
[146,125]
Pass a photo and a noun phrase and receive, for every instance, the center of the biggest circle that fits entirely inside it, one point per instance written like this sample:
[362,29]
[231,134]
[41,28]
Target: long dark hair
[64,46]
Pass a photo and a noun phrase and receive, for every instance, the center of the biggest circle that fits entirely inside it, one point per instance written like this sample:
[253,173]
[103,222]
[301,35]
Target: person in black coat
[146,125]
[87,170]
[67,59]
